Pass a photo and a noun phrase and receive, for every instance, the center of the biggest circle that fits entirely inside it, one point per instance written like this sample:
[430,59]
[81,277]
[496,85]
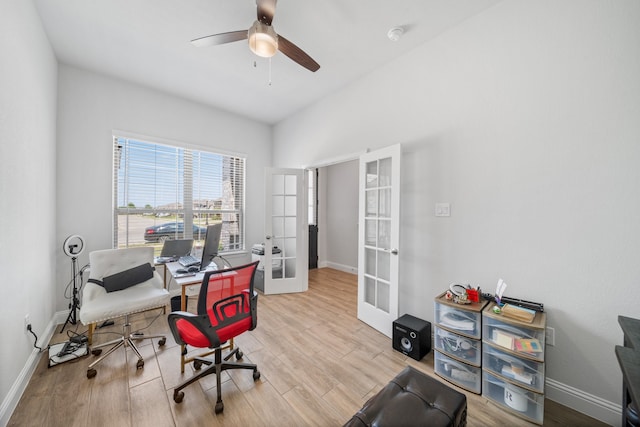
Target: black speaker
[412,336]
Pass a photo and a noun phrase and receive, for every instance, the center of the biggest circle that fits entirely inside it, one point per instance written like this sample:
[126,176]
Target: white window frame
[229,208]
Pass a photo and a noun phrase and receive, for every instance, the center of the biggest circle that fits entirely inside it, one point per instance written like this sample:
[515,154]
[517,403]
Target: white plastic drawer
[528,342]
[518,370]
[455,319]
[457,346]
[466,376]
[522,402]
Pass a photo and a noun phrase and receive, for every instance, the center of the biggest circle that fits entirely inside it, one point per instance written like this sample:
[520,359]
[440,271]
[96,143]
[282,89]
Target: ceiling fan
[263,40]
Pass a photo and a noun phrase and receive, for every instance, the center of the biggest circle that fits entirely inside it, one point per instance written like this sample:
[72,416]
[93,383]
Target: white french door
[286,232]
[379,237]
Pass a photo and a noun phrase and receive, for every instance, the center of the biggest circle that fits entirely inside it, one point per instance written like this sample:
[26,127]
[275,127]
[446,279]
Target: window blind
[166,192]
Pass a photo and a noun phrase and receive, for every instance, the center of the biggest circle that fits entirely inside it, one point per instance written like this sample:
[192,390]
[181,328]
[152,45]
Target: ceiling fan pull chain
[269,71]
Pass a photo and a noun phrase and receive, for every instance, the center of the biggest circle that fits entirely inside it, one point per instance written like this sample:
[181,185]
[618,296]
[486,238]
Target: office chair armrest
[199,321]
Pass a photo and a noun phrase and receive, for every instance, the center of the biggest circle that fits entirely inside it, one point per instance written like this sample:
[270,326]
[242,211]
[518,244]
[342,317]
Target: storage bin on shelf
[459,319]
[515,337]
[458,348]
[521,371]
[466,376]
[513,370]
[517,400]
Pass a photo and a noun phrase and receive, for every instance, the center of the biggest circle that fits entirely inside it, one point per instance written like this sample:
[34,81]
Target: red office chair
[227,307]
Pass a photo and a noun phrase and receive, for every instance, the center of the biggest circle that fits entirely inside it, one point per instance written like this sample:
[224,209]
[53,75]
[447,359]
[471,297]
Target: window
[166,192]
[312,191]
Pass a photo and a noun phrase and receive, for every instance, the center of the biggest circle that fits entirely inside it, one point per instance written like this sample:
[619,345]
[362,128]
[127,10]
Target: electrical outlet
[27,322]
[550,337]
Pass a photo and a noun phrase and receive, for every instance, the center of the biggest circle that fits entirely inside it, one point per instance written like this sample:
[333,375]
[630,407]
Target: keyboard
[188,261]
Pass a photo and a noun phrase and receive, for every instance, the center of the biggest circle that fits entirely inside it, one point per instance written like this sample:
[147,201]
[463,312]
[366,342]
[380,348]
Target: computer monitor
[211,244]
[176,248]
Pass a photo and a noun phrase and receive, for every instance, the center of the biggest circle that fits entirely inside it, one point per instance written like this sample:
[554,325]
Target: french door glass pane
[277,226]
[290,247]
[384,265]
[278,184]
[370,262]
[289,227]
[384,234]
[383,296]
[370,232]
[278,205]
[290,184]
[290,268]
[371,203]
[370,291]
[372,175]
[385,172]
[384,210]
[290,205]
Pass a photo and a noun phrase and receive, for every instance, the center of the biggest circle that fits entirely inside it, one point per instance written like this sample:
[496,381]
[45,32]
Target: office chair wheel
[91,373]
[140,364]
[96,352]
[162,342]
[239,355]
[219,407]
[256,375]
[197,365]
[178,396]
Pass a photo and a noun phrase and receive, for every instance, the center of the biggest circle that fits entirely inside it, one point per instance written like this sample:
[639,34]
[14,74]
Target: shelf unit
[512,377]
[458,343]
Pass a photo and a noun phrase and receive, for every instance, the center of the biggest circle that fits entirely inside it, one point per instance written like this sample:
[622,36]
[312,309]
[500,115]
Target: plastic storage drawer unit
[460,374]
[522,402]
[462,321]
[458,347]
[519,370]
[514,337]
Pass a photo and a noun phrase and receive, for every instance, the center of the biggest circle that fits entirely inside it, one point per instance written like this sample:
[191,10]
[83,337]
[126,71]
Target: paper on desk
[500,287]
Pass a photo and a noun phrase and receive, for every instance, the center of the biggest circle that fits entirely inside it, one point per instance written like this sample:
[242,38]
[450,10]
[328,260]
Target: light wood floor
[319,365]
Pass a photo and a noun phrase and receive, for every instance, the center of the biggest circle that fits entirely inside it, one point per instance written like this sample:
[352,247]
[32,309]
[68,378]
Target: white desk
[189,283]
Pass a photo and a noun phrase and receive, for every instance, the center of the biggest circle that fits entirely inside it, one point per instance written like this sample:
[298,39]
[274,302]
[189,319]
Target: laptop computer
[172,250]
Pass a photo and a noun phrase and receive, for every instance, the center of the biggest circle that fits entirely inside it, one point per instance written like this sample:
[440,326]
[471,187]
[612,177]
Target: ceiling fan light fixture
[263,40]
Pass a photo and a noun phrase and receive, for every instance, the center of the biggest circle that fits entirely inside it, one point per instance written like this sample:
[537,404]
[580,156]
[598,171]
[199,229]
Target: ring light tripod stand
[72,247]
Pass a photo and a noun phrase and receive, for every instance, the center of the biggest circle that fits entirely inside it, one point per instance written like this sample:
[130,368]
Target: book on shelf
[519,313]
[527,345]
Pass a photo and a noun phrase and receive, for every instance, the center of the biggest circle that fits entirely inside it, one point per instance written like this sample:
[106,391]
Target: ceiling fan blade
[266,10]
[221,38]
[297,54]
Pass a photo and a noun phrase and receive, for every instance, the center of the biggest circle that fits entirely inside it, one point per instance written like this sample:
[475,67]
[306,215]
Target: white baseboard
[341,267]
[12,398]
[586,403]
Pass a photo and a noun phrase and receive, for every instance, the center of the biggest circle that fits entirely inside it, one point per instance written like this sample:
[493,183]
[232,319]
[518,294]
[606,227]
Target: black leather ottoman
[413,398]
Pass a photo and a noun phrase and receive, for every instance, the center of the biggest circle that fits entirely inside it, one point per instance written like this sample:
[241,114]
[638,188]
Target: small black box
[412,336]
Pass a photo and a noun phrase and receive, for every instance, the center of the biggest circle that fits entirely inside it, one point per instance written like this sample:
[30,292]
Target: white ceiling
[148,42]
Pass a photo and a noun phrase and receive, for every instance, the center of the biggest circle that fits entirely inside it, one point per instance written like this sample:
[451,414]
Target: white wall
[525,119]
[91,106]
[27,192]
[340,206]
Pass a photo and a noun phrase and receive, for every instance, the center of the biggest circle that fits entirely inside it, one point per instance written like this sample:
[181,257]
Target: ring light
[73,246]
[457,289]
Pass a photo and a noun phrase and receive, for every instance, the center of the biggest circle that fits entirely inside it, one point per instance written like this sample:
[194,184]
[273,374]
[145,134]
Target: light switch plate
[443,209]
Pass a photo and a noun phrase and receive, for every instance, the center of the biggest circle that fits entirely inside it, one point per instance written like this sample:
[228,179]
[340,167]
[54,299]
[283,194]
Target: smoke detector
[395,33]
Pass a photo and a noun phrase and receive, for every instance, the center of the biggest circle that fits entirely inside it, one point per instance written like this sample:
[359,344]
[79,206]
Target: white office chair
[98,305]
